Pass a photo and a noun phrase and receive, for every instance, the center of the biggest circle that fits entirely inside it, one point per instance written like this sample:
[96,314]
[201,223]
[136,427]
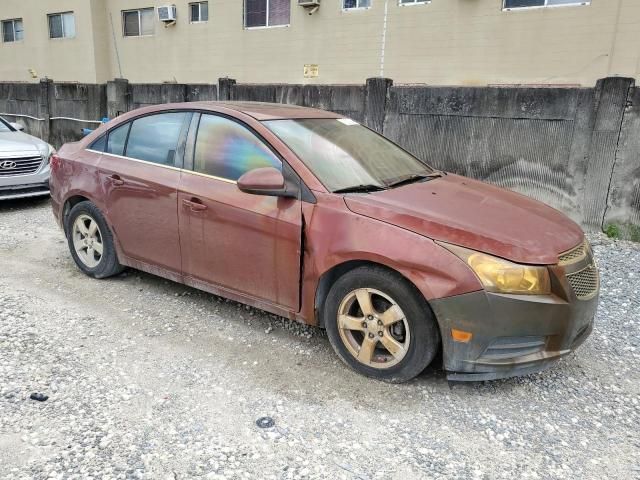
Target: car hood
[20,142]
[475,215]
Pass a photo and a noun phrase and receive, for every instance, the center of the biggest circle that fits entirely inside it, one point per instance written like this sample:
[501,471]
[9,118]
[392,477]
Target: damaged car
[312,216]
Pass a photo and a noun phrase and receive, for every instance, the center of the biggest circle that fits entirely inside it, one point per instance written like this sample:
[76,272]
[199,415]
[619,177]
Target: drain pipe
[384,37]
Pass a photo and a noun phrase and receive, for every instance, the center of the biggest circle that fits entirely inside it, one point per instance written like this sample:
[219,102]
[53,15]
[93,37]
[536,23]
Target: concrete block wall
[348,100]
[21,99]
[558,145]
[623,199]
[576,149]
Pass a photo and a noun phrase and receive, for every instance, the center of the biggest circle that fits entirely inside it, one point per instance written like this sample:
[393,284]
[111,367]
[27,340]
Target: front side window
[117,139]
[509,4]
[62,25]
[138,23]
[350,4]
[12,30]
[266,13]
[226,149]
[154,138]
[199,12]
[343,154]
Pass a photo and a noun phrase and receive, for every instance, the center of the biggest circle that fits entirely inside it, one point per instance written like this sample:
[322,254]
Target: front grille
[584,282]
[10,167]
[573,255]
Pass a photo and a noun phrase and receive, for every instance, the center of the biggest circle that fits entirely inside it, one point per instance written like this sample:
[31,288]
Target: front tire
[91,241]
[380,325]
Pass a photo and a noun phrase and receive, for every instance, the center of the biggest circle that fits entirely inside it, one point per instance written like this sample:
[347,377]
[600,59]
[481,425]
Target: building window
[351,4]
[62,25]
[509,4]
[138,23]
[266,13]
[12,30]
[413,2]
[199,12]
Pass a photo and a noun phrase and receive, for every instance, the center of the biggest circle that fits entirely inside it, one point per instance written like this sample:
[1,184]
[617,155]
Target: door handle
[116,181]
[194,204]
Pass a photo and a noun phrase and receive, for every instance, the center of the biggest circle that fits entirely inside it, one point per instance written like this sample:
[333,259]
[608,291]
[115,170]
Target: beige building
[438,42]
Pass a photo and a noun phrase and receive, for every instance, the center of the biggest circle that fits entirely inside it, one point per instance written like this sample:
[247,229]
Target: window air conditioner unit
[167,13]
[309,3]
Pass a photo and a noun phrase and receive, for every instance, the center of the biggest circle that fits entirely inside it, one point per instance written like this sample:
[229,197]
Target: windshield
[4,127]
[345,155]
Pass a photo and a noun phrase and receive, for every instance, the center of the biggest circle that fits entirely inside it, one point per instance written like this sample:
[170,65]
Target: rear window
[117,139]
[99,144]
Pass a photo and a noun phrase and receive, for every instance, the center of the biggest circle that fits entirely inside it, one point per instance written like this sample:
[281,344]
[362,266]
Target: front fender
[335,235]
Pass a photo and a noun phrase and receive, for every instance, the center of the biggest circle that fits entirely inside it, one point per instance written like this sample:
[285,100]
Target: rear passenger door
[140,172]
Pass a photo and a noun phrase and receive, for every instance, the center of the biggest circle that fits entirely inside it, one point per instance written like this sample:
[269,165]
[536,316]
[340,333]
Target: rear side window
[117,139]
[155,138]
[99,144]
[226,149]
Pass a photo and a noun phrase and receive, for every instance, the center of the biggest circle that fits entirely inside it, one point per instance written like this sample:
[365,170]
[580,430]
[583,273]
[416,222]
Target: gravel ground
[149,379]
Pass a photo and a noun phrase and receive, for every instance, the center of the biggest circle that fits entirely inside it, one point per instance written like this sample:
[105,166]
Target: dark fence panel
[145,94]
[532,140]
[77,102]
[347,100]
[623,211]
[21,99]
[577,149]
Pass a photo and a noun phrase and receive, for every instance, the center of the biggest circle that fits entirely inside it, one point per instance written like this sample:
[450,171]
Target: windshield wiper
[360,188]
[414,178]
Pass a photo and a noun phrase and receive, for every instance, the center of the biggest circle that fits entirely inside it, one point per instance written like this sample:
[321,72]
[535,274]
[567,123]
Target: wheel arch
[328,279]
[68,204]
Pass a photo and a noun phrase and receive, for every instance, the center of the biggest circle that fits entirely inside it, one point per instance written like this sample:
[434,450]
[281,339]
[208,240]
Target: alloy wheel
[373,328]
[87,240]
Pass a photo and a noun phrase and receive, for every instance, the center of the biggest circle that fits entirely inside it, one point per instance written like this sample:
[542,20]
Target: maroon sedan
[312,216]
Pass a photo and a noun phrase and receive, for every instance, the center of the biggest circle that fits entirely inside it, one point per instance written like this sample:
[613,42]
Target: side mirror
[17,126]
[265,181]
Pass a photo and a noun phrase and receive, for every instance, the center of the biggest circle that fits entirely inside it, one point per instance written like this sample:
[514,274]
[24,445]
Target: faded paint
[249,247]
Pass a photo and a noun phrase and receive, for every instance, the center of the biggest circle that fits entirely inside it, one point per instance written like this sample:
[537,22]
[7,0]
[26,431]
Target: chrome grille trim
[23,166]
[584,282]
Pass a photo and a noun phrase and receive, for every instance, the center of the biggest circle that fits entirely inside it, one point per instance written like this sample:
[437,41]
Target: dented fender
[335,235]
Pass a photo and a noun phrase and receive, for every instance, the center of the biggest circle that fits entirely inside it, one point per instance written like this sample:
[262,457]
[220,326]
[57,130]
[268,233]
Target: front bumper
[514,334]
[22,186]
[24,190]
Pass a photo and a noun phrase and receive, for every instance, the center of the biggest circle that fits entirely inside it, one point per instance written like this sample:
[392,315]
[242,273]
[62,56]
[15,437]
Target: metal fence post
[375,102]
[44,108]
[117,97]
[226,87]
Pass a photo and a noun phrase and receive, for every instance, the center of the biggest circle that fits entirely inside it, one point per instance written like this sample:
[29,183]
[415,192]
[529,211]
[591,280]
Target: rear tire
[380,325]
[91,241]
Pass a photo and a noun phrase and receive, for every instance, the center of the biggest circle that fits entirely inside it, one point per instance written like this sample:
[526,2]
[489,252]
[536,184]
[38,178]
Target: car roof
[272,111]
[258,110]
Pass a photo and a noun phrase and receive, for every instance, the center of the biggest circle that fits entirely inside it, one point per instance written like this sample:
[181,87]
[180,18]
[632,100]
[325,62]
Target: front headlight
[501,276]
[51,151]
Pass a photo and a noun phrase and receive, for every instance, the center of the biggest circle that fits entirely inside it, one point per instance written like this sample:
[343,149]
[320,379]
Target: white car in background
[24,163]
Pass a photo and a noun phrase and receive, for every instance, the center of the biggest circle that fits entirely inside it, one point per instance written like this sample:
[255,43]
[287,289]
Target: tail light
[55,161]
